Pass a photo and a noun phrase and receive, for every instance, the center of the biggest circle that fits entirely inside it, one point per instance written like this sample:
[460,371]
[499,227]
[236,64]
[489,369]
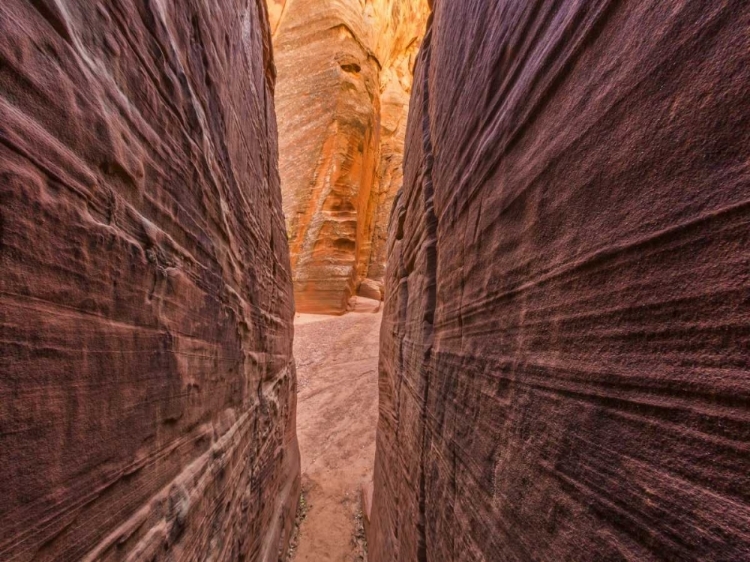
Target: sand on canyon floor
[337,413]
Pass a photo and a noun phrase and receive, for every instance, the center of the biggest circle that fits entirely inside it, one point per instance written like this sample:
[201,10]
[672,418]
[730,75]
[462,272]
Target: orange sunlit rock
[344,80]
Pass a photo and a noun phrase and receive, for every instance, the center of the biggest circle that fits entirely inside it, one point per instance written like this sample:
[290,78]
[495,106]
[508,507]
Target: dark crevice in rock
[431,266]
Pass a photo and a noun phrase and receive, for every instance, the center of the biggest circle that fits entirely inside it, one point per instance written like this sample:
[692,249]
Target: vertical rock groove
[431,274]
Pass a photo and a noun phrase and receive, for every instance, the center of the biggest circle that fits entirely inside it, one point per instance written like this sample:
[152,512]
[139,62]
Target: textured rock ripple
[147,387]
[564,353]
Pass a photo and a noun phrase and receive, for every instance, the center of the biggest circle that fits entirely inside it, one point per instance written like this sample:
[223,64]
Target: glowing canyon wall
[344,80]
[147,386]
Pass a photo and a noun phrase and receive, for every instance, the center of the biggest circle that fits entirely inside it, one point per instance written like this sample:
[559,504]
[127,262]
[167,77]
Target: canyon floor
[337,411]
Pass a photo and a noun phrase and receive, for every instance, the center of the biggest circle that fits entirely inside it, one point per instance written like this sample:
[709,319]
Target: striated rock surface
[564,352]
[344,79]
[147,394]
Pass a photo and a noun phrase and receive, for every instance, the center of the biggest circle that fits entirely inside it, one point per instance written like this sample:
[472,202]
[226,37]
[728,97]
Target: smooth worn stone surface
[147,394]
[344,79]
[337,366]
[564,354]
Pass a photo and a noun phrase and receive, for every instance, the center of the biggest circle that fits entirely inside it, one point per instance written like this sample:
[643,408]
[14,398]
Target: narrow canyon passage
[337,411]
[549,202]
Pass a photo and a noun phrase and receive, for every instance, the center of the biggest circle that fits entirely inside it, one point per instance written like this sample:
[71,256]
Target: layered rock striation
[344,79]
[564,371]
[147,395]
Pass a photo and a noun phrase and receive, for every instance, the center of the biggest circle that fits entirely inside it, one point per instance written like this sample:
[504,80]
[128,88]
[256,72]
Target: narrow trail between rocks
[337,412]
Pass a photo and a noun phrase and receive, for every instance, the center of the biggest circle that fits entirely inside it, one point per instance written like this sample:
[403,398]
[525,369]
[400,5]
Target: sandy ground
[337,411]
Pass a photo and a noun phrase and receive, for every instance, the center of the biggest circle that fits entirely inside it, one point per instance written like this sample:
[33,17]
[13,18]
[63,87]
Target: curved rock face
[147,395]
[564,371]
[342,97]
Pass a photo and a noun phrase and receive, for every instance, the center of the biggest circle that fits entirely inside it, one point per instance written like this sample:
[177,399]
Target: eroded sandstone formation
[564,358]
[344,79]
[147,388]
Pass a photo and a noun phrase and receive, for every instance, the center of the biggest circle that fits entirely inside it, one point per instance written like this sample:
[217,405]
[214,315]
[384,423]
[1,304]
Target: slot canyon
[374,280]
[344,80]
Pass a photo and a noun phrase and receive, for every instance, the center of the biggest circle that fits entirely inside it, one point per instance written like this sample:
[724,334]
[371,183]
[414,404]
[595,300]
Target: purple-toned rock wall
[147,387]
[565,355]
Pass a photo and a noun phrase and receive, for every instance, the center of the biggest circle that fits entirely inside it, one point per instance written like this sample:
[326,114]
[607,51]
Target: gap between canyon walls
[342,98]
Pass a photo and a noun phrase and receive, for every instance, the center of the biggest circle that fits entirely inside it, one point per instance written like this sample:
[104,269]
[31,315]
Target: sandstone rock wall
[564,370]
[275,11]
[147,387]
[343,88]
[398,40]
